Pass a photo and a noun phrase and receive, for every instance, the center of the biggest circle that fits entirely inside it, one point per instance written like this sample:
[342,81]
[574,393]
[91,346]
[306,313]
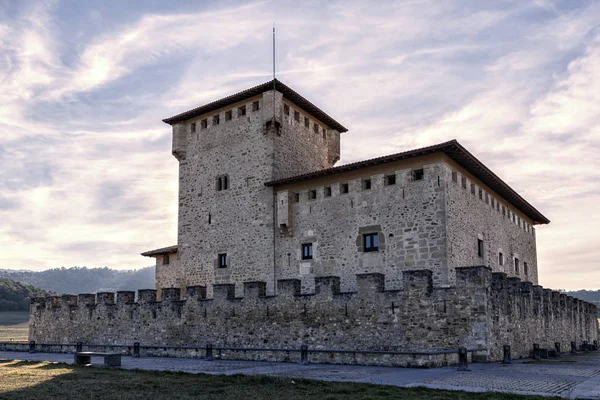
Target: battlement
[483,311]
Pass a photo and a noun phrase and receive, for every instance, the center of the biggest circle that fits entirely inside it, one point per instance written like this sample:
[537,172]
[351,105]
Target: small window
[389,180]
[454,176]
[255,106]
[306,122]
[418,175]
[228,115]
[223,260]
[216,120]
[193,127]
[472,188]
[493,203]
[222,183]
[480,194]
[297,197]
[487,198]
[296,116]
[312,194]
[286,109]
[327,191]
[307,251]
[324,131]
[366,184]
[241,111]
[166,259]
[464,182]
[344,188]
[316,128]
[371,242]
[525,268]
[204,124]
[500,258]
[516,265]
[503,211]
[324,134]
[480,247]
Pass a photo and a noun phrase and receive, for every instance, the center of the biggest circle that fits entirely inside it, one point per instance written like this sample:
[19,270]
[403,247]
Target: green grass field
[42,380]
[14,325]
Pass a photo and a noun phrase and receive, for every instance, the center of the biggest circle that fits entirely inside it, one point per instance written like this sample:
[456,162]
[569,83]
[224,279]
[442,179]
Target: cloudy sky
[86,175]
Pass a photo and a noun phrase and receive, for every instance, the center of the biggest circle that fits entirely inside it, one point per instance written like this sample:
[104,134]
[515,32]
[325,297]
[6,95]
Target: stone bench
[110,359]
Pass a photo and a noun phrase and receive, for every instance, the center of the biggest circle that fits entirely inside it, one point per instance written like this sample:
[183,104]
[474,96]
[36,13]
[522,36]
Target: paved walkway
[572,376]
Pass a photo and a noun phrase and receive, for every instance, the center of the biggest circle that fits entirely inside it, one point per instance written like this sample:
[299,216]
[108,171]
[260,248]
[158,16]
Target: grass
[43,380]
[14,325]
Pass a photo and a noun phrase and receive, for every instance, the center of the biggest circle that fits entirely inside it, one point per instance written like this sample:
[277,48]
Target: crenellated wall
[482,312]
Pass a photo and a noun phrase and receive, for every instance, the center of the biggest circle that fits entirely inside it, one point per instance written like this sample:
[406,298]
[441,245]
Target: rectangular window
[316,128]
[344,188]
[223,260]
[480,247]
[327,191]
[472,188]
[286,109]
[255,106]
[493,203]
[366,184]
[480,194]
[166,259]
[454,176]
[312,194]
[228,115]
[487,199]
[503,211]
[241,111]
[307,251]
[525,268]
[464,182]
[297,197]
[516,265]
[296,116]
[193,127]
[371,242]
[418,175]
[306,122]
[204,124]
[216,120]
[324,134]
[500,259]
[390,179]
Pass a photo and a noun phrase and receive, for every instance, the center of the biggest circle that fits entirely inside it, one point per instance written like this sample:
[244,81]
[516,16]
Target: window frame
[480,248]
[165,259]
[307,251]
[222,260]
[418,175]
[389,182]
[370,242]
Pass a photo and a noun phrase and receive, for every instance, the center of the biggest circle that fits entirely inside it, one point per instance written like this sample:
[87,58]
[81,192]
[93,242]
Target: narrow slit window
[516,265]
[464,182]
[480,194]
[297,197]
[286,109]
[366,184]
[204,124]
[166,259]
[344,188]
[480,247]
[525,268]
[228,115]
[500,258]
[389,180]
[241,111]
[316,128]
[307,251]
[472,188]
[306,122]
[216,120]
[296,116]
[327,191]
[454,176]
[223,260]
[193,127]
[371,242]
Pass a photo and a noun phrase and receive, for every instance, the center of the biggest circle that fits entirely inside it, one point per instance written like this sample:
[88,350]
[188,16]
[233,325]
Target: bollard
[136,349]
[536,351]
[209,352]
[32,346]
[304,354]
[79,347]
[506,359]
[573,347]
[463,362]
[557,347]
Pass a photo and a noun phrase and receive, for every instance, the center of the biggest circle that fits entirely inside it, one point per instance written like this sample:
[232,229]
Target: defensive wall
[482,312]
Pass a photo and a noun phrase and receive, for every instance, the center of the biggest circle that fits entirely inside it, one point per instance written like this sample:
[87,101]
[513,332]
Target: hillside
[77,280]
[15,296]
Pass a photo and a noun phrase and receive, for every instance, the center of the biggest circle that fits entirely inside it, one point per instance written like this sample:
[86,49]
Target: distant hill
[15,296]
[77,280]
[591,296]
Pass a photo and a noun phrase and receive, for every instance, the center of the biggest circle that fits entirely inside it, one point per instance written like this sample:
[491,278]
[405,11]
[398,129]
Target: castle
[423,250]
[261,200]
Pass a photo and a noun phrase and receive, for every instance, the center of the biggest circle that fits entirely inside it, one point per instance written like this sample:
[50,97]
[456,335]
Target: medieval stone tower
[227,150]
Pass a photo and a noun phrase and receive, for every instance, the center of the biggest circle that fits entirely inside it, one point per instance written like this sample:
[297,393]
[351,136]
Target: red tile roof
[452,149]
[287,92]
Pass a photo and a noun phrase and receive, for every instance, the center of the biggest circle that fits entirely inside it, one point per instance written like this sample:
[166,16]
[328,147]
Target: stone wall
[420,317]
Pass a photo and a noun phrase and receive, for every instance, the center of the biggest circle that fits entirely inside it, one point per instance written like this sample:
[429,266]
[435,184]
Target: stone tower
[227,150]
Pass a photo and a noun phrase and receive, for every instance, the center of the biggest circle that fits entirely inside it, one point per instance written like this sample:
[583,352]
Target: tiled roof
[287,92]
[158,252]
[452,149]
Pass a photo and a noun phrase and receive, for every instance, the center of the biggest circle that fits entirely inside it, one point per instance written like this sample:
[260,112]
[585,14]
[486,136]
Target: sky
[86,172]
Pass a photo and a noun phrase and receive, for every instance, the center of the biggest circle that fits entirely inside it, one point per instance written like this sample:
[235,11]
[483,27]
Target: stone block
[254,290]
[196,292]
[68,300]
[420,280]
[498,281]
[125,296]
[146,296]
[327,285]
[86,299]
[170,294]
[525,287]
[289,287]
[224,291]
[479,275]
[105,298]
